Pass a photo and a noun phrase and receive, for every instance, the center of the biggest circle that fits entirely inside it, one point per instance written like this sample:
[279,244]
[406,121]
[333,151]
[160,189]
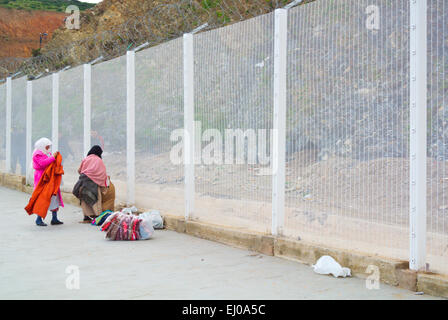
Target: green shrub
[44,5]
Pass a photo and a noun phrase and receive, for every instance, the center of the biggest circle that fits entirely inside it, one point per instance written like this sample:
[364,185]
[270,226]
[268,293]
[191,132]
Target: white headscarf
[41,145]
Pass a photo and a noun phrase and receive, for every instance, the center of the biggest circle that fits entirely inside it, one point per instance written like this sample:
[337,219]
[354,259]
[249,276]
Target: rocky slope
[112,23]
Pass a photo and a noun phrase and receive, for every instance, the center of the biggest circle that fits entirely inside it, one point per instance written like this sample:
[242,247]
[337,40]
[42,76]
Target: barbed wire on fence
[159,24]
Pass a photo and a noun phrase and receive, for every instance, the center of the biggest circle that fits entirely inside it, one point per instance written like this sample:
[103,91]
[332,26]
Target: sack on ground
[157,220]
[130,210]
[125,226]
[146,228]
[327,265]
[122,226]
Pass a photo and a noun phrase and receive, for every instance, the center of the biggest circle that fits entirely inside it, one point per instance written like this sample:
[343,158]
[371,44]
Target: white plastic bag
[157,221]
[146,229]
[131,210]
[327,265]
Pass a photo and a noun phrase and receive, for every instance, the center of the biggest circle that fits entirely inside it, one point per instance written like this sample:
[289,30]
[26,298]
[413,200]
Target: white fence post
[55,117]
[279,124]
[29,129]
[8,123]
[418,132]
[87,106]
[188,55]
[130,126]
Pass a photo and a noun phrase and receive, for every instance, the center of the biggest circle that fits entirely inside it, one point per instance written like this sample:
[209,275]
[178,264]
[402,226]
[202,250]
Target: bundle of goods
[98,221]
[127,226]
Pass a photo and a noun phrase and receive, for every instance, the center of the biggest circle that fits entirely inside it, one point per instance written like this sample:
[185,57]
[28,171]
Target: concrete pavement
[44,263]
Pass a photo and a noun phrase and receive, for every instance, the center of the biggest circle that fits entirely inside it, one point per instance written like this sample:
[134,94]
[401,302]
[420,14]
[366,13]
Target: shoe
[41,224]
[56,222]
[86,220]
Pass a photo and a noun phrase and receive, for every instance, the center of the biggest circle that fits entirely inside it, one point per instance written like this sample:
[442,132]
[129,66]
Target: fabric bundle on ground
[47,187]
[125,226]
[98,221]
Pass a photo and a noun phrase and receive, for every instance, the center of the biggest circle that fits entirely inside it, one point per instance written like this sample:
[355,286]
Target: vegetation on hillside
[44,5]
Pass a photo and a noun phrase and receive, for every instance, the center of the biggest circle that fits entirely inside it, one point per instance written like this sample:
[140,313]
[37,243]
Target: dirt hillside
[20,30]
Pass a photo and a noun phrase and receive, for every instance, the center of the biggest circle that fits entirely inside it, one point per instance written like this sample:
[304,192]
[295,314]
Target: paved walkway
[42,263]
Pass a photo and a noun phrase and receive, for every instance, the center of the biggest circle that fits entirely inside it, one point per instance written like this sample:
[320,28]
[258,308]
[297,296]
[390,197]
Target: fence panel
[2,127]
[347,181]
[71,124]
[18,126]
[42,109]
[437,236]
[233,114]
[108,124]
[159,112]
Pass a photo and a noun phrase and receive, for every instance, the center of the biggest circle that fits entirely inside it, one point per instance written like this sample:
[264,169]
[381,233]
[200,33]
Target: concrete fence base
[392,272]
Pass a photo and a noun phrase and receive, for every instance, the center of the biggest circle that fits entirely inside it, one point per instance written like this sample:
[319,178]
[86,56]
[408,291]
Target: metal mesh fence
[42,109]
[159,111]
[2,127]
[71,115]
[437,188]
[233,107]
[18,126]
[108,121]
[347,125]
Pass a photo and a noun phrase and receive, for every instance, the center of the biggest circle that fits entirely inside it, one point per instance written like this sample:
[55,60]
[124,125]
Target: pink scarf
[93,167]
